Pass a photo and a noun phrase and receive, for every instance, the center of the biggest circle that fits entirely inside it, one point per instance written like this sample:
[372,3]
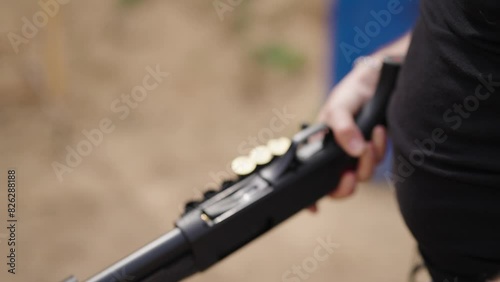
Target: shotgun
[272,186]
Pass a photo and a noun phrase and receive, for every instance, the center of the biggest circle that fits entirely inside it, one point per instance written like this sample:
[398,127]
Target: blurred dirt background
[226,77]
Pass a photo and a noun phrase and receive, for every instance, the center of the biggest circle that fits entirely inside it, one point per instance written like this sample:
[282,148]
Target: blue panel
[350,15]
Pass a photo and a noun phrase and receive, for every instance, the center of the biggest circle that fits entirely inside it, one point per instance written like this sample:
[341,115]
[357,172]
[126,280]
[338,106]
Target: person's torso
[445,114]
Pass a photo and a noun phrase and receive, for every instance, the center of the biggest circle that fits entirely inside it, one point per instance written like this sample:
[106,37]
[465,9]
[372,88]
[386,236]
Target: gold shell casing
[261,155]
[243,165]
[280,146]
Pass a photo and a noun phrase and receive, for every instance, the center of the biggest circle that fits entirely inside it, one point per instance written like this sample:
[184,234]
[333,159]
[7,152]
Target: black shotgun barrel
[226,221]
[165,252]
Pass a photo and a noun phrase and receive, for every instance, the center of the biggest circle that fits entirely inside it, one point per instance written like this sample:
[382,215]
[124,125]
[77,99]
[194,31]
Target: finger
[366,163]
[346,132]
[346,186]
[313,208]
[317,136]
[379,139]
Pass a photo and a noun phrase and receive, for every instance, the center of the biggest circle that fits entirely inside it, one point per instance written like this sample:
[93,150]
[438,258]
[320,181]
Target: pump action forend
[246,208]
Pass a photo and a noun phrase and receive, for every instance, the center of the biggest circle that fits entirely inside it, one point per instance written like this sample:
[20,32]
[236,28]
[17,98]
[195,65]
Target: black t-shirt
[445,114]
[445,122]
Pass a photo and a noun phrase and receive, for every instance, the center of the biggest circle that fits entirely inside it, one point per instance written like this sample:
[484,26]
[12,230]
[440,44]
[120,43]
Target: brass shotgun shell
[280,146]
[243,165]
[261,155]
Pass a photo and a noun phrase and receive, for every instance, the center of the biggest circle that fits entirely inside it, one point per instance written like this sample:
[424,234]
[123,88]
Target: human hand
[345,100]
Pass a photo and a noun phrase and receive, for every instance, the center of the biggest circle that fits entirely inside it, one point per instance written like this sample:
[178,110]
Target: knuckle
[343,128]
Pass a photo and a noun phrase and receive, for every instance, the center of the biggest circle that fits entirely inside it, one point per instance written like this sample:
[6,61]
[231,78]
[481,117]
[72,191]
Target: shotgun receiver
[246,208]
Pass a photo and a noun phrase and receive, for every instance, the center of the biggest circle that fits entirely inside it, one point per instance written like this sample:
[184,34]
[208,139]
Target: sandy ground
[129,189]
